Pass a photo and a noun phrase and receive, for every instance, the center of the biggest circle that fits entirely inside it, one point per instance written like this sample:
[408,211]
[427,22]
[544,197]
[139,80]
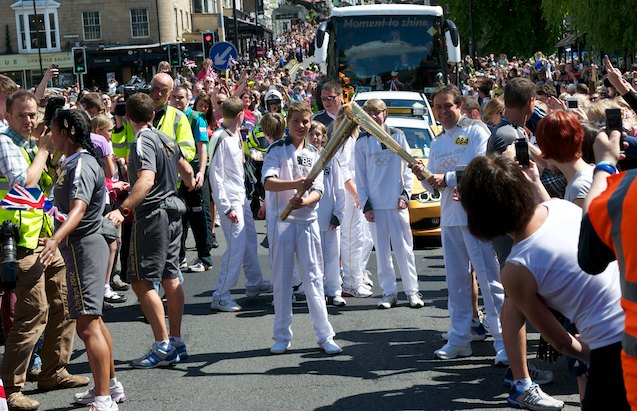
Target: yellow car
[424,207]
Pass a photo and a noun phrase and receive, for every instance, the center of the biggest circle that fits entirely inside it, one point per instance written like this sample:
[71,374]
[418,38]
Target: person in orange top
[608,233]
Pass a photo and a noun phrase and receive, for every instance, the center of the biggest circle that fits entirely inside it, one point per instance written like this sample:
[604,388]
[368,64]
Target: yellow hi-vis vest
[33,223]
[173,123]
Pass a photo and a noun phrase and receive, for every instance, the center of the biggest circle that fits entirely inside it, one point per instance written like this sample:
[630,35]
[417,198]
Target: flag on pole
[21,198]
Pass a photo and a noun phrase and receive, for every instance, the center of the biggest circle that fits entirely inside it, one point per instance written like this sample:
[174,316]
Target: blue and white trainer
[157,357]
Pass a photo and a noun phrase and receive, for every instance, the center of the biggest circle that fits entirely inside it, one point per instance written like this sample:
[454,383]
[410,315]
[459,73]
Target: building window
[139,23]
[37,30]
[92,25]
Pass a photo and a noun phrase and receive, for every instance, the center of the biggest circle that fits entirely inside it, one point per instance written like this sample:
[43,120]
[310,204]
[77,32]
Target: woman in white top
[542,273]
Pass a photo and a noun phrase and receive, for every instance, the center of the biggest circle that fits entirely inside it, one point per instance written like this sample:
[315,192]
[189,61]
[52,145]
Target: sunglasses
[328,98]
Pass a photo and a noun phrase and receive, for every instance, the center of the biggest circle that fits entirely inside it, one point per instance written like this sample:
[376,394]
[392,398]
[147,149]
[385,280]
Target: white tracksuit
[226,175]
[329,208]
[356,237]
[457,147]
[382,177]
[297,236]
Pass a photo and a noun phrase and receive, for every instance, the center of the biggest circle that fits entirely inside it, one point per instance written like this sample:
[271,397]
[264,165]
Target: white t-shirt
[283,161]
[579,186]
[333,199]
[453,148]
[226,173]
[591,302]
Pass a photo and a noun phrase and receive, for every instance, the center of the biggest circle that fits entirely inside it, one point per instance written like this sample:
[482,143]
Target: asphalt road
[387,363]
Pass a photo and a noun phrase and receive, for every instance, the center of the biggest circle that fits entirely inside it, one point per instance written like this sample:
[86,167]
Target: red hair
[559,136]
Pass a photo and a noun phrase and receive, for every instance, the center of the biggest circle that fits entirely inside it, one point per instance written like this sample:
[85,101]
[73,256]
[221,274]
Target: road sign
[221,54]
[260,52]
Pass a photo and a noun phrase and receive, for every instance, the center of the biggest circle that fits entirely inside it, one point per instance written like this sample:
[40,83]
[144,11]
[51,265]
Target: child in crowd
[285,168]
[330,214]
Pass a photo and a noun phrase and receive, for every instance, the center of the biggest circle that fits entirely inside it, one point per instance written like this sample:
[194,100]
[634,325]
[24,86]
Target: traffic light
[79,60]
[207,41]
[174,55]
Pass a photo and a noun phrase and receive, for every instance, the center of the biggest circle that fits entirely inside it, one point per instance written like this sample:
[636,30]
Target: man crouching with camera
[41,291]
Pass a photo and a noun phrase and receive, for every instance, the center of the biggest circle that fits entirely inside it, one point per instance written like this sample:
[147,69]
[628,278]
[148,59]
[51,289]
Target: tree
[608,24]
[505,26]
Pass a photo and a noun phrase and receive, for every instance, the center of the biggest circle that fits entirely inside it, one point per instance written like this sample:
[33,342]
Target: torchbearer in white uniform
[463,139]
[384,181]
[285,168]
[330,215]
[356,238]
[226,176]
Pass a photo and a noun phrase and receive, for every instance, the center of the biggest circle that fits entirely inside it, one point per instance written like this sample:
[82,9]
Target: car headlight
[426,197]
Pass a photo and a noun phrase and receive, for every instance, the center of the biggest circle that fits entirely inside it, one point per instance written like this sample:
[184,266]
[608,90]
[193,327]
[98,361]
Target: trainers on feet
[537,376]
[448,351]
[358,292]
[213,241]
[388,301]
[156,357]
[183,264]
[280,347]
[100,406]
[415,300]
[227,305]
[264,288]
[181,349]
[501,359]
[337,301]
[198,266]
[87,397]
[19,401]
[118,285]
[331,348]
[112,297]
[534,399]
[367,278]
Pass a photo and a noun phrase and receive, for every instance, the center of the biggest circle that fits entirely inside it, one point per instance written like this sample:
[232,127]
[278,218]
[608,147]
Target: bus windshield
[396,52]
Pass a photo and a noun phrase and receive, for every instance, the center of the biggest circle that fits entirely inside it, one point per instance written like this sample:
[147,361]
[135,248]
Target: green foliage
[505,26]
[609,24]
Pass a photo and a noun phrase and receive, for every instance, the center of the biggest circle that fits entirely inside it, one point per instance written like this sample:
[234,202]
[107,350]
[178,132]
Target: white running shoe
[448,351]
[88,396]
[280,347]
[388,301]
[264,288]
[331,348]
[228,305]
[415,300]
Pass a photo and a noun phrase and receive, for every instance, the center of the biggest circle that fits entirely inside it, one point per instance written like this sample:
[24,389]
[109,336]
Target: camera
[572,103]
[9,235]
[134,85]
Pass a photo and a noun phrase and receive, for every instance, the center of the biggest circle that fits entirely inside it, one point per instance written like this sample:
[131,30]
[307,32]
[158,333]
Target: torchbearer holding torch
[384,182]
[286,172]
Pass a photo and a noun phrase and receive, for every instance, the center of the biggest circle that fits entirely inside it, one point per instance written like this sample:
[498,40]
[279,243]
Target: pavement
[387,362]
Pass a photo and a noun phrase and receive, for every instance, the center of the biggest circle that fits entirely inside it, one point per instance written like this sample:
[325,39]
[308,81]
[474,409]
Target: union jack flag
[21,198]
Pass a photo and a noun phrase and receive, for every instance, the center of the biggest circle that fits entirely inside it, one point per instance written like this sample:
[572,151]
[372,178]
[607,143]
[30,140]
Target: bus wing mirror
[453,42]
[320,34]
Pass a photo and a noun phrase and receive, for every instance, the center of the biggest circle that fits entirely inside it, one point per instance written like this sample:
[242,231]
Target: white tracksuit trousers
[288,239]
[241,239]
[461,251]
[330,242]
[356,244]
[391,231]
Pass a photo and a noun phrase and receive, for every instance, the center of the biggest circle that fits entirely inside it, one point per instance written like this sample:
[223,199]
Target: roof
[386,9]
[406,122]
[570,39]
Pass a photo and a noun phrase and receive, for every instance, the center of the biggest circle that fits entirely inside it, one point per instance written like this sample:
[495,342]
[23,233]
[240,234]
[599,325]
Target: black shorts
[605,385]
[154,246]
[86,260]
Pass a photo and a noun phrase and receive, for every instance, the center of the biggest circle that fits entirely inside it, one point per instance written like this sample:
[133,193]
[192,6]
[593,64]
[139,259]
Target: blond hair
[101,122]
[494,107]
